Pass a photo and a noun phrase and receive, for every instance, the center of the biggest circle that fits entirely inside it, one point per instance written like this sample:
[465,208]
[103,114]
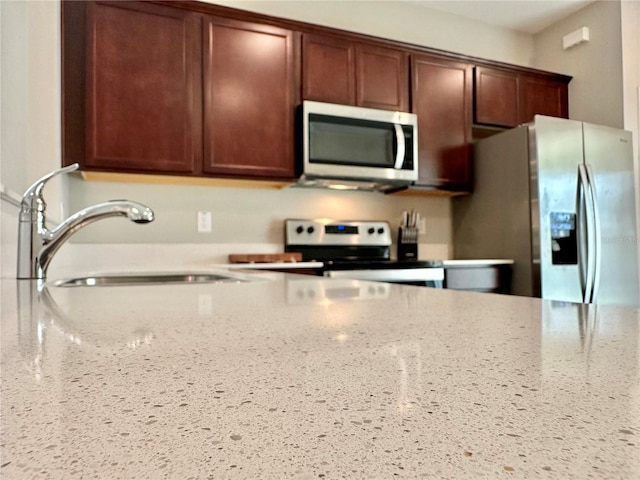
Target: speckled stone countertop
[304,377]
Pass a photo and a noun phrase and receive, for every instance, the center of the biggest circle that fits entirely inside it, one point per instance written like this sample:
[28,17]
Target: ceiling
[529,16]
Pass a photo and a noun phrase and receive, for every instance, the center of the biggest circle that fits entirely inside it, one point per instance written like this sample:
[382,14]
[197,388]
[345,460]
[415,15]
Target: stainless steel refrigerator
[558,197]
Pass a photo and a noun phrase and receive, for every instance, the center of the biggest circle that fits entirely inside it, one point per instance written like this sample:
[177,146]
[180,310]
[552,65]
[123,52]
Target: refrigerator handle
[585,234]
[597,233]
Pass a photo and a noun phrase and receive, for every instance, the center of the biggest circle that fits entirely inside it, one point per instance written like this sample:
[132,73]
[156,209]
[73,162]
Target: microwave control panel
[337,232]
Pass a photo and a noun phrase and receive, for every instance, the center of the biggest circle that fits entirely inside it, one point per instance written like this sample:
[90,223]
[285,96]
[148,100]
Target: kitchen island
[291,376]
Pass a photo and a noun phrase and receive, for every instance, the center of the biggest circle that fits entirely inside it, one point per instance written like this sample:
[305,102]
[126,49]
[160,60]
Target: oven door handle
[400,152]
[390,275]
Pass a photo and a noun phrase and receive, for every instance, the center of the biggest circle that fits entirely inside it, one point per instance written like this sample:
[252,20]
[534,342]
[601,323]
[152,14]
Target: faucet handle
[34,192]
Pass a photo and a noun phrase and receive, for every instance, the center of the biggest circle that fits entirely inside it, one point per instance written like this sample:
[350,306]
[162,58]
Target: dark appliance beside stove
[358,250]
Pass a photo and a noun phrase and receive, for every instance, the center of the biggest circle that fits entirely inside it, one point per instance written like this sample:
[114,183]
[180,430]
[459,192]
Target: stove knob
[381,230]
[371,231]
[299,229]
[310,230]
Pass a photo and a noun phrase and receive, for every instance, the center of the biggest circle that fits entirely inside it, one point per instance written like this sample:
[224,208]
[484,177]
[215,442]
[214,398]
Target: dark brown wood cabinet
[173,91]
[339,70]
[496,97]
[542,96]
[382,76]
[142,88]
[249,99]
[199,90]
[328,70]
[508,98]
[442,100]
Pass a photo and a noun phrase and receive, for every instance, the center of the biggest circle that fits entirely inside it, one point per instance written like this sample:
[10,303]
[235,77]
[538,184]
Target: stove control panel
[337,232]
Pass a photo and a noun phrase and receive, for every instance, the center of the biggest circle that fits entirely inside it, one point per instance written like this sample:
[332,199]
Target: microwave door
[344,142]
[363,144]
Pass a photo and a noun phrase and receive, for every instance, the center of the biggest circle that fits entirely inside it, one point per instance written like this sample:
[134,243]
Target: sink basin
[148,279]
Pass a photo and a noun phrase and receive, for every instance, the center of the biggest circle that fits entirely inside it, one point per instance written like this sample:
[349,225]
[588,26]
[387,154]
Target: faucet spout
[37,244]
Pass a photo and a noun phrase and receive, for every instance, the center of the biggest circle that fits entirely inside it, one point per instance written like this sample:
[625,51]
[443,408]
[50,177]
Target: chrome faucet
[37,244]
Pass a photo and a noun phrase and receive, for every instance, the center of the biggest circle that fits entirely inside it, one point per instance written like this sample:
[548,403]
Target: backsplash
[243,221]
[242,215]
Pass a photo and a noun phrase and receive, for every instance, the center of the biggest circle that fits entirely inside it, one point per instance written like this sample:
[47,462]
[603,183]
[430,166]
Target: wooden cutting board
[265,257]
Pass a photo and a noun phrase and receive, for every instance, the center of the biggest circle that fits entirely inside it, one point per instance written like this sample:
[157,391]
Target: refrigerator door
[608,158]
[555,156]
[495,221]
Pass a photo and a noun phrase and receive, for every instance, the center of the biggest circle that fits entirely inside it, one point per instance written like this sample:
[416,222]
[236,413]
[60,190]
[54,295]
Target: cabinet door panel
[544,97]
[142,87]
[442,99]
[249,93]
[496,97]
[328,70]
[382,78]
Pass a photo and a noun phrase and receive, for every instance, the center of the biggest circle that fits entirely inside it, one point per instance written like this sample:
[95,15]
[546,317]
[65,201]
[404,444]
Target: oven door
[424,277]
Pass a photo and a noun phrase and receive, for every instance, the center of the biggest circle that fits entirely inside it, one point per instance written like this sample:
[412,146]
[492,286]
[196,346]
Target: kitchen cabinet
[442,100]
[508,98]
[249,99]
[200,90]
[543,96]
[496,97]
[142,74]
[339,70]
[173,91]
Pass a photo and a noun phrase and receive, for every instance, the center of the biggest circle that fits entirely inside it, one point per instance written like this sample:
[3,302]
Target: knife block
[407,243]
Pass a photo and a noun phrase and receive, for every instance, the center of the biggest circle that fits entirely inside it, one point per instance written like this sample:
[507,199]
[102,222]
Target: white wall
[411,22]
[30,142]
[630,15]
[595,93]
[30,109]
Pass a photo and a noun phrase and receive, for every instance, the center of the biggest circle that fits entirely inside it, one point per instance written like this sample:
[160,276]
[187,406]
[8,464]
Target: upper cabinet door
[496,97]
[382,76]
[543,96]
[249,99]
[142,92]
[328,70]
[442,100]
[509,98]
[338,70]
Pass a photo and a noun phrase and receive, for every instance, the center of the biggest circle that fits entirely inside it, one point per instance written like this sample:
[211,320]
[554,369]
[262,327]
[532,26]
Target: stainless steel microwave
[360,148]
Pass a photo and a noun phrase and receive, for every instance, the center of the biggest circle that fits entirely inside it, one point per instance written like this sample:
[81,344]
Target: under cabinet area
[339,70]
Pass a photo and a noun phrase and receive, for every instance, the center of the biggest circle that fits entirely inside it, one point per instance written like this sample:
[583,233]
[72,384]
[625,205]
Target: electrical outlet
[204,222]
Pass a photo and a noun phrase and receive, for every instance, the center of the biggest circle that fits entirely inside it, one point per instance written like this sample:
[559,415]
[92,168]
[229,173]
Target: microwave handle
[401,146]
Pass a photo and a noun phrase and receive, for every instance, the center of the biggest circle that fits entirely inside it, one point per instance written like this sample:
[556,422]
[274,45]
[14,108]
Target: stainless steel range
[359,250]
